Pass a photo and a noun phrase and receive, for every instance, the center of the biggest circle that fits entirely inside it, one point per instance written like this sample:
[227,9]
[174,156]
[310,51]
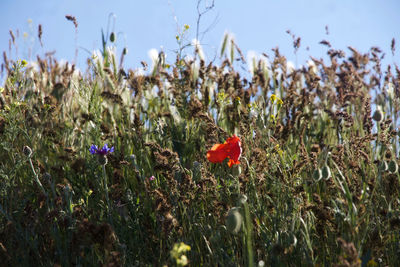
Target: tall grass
[318,180]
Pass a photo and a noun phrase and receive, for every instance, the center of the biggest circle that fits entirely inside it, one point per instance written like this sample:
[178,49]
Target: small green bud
[234,220]
[377,116]
[112,37]
[326,172]
[393,167]
[125,51]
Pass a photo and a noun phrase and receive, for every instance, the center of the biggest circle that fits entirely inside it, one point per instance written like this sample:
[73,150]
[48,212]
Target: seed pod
[112,37]
[378,115]
[393,167]
[234,220]
[326,172]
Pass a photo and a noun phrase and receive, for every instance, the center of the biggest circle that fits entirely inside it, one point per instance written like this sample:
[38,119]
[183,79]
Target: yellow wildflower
[277,149]
[182,261]
[178,252]
[182,247]
[273,98]
[372,263]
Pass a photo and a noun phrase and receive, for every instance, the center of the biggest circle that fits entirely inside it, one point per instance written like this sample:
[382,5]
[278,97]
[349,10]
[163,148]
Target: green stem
[106,190]
[37,177]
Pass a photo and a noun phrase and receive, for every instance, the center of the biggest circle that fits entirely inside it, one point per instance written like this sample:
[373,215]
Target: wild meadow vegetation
[108,166]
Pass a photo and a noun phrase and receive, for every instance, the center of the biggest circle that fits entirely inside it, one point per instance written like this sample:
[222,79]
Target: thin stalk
[106,190]
[35,175]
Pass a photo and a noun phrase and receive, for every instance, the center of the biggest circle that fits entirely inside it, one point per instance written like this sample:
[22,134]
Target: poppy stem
[36,176]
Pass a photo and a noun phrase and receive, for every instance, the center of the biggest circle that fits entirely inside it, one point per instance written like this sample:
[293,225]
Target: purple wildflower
[104,151]
[152,178]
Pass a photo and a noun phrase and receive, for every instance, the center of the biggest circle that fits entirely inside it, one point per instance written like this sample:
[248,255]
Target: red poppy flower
[231,149]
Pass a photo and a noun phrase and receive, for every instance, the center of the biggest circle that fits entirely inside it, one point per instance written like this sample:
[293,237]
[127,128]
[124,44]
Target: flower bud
[234,220]
[112,37]
[326,172]
[196,168]
[317,174]
[377,116]
[393,167]
[27,151]
[383,166]
[242,200]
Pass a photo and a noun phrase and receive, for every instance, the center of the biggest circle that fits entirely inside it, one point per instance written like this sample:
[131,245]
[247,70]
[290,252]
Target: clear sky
[257,25]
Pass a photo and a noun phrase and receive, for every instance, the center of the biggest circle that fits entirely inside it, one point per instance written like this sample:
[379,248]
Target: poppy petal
[217,153]
[232,162]
[231,149]
[235,150]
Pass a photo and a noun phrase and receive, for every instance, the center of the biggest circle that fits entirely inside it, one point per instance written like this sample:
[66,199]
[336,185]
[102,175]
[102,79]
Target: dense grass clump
[317,182]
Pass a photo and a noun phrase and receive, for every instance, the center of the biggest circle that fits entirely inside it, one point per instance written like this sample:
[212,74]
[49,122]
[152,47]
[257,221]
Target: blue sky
[257,25]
